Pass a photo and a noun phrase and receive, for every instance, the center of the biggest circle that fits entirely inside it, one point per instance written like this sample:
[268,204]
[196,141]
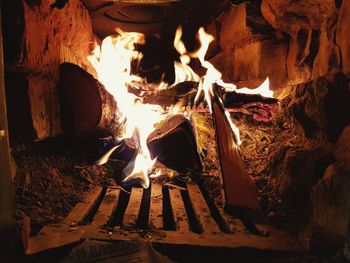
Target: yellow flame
[183,72]
[263,89]
[112,61]
[212,76]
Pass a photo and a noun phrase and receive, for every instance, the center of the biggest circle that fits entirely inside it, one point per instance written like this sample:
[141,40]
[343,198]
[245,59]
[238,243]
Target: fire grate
[179,215]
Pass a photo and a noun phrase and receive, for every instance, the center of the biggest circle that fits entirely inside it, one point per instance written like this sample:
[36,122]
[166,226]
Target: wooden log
[86,104]
[174,145]
[238,187]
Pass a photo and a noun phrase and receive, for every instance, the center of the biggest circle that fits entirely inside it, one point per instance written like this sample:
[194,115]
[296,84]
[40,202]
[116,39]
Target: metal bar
[180,216]
[201,209]
[107,207]
[81,210]
[133,208]
[156,207]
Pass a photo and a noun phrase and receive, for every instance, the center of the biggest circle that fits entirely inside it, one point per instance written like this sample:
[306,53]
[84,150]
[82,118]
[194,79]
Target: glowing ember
[112,62]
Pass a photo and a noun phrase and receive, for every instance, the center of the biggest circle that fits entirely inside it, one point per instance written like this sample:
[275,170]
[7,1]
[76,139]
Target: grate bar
[179,211]
[133,208]
[83,209]
[156,207]
[197,222]
[108,205]
[201,209]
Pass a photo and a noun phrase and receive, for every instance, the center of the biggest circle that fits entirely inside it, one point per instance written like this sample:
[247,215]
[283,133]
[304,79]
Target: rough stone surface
[292,42]
[290,16]
[342,149]
[343,37]
[247,48]
[331,210]
[44,39]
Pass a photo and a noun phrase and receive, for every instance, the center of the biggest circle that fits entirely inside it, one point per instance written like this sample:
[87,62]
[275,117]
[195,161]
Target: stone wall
[37,39]
[291,42]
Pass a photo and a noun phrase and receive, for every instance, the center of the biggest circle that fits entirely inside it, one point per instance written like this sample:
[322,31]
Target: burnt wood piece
[238,187]
[86,104]
[186,91]
[174,145]
[261,108]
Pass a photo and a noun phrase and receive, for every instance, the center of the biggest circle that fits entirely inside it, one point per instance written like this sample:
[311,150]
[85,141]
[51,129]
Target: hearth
[201,125]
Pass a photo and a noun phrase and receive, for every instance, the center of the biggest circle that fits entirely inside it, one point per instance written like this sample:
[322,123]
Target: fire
[263,89]
[112,62]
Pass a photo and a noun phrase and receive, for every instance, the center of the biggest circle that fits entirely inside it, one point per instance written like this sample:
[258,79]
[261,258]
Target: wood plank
[179,211]
[201,209]
[133,208]
[81,210]
[156,207]
[108,205]
[239,189]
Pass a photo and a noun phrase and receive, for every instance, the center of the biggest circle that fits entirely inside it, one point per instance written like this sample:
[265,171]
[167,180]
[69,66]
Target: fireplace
[219,128]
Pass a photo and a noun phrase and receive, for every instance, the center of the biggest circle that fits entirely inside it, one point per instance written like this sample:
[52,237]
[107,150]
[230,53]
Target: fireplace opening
[175,130]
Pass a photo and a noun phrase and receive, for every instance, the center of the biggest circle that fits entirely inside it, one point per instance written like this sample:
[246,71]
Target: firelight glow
[112,62]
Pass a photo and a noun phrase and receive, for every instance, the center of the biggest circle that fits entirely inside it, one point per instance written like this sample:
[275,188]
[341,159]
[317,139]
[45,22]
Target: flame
[263,89]
[112,62]
[183,72]
[212,76]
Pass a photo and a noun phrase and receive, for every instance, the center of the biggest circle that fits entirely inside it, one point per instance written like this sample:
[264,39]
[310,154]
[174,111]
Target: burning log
[97,109]
[261,108]
[174,145]
[86,105]
[238,187]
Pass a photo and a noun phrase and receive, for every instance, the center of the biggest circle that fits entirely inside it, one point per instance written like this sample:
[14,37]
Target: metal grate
[162,214]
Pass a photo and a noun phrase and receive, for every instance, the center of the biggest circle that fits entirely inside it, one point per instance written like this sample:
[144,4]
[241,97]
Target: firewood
[238,187]
[174,145]
[86,104]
